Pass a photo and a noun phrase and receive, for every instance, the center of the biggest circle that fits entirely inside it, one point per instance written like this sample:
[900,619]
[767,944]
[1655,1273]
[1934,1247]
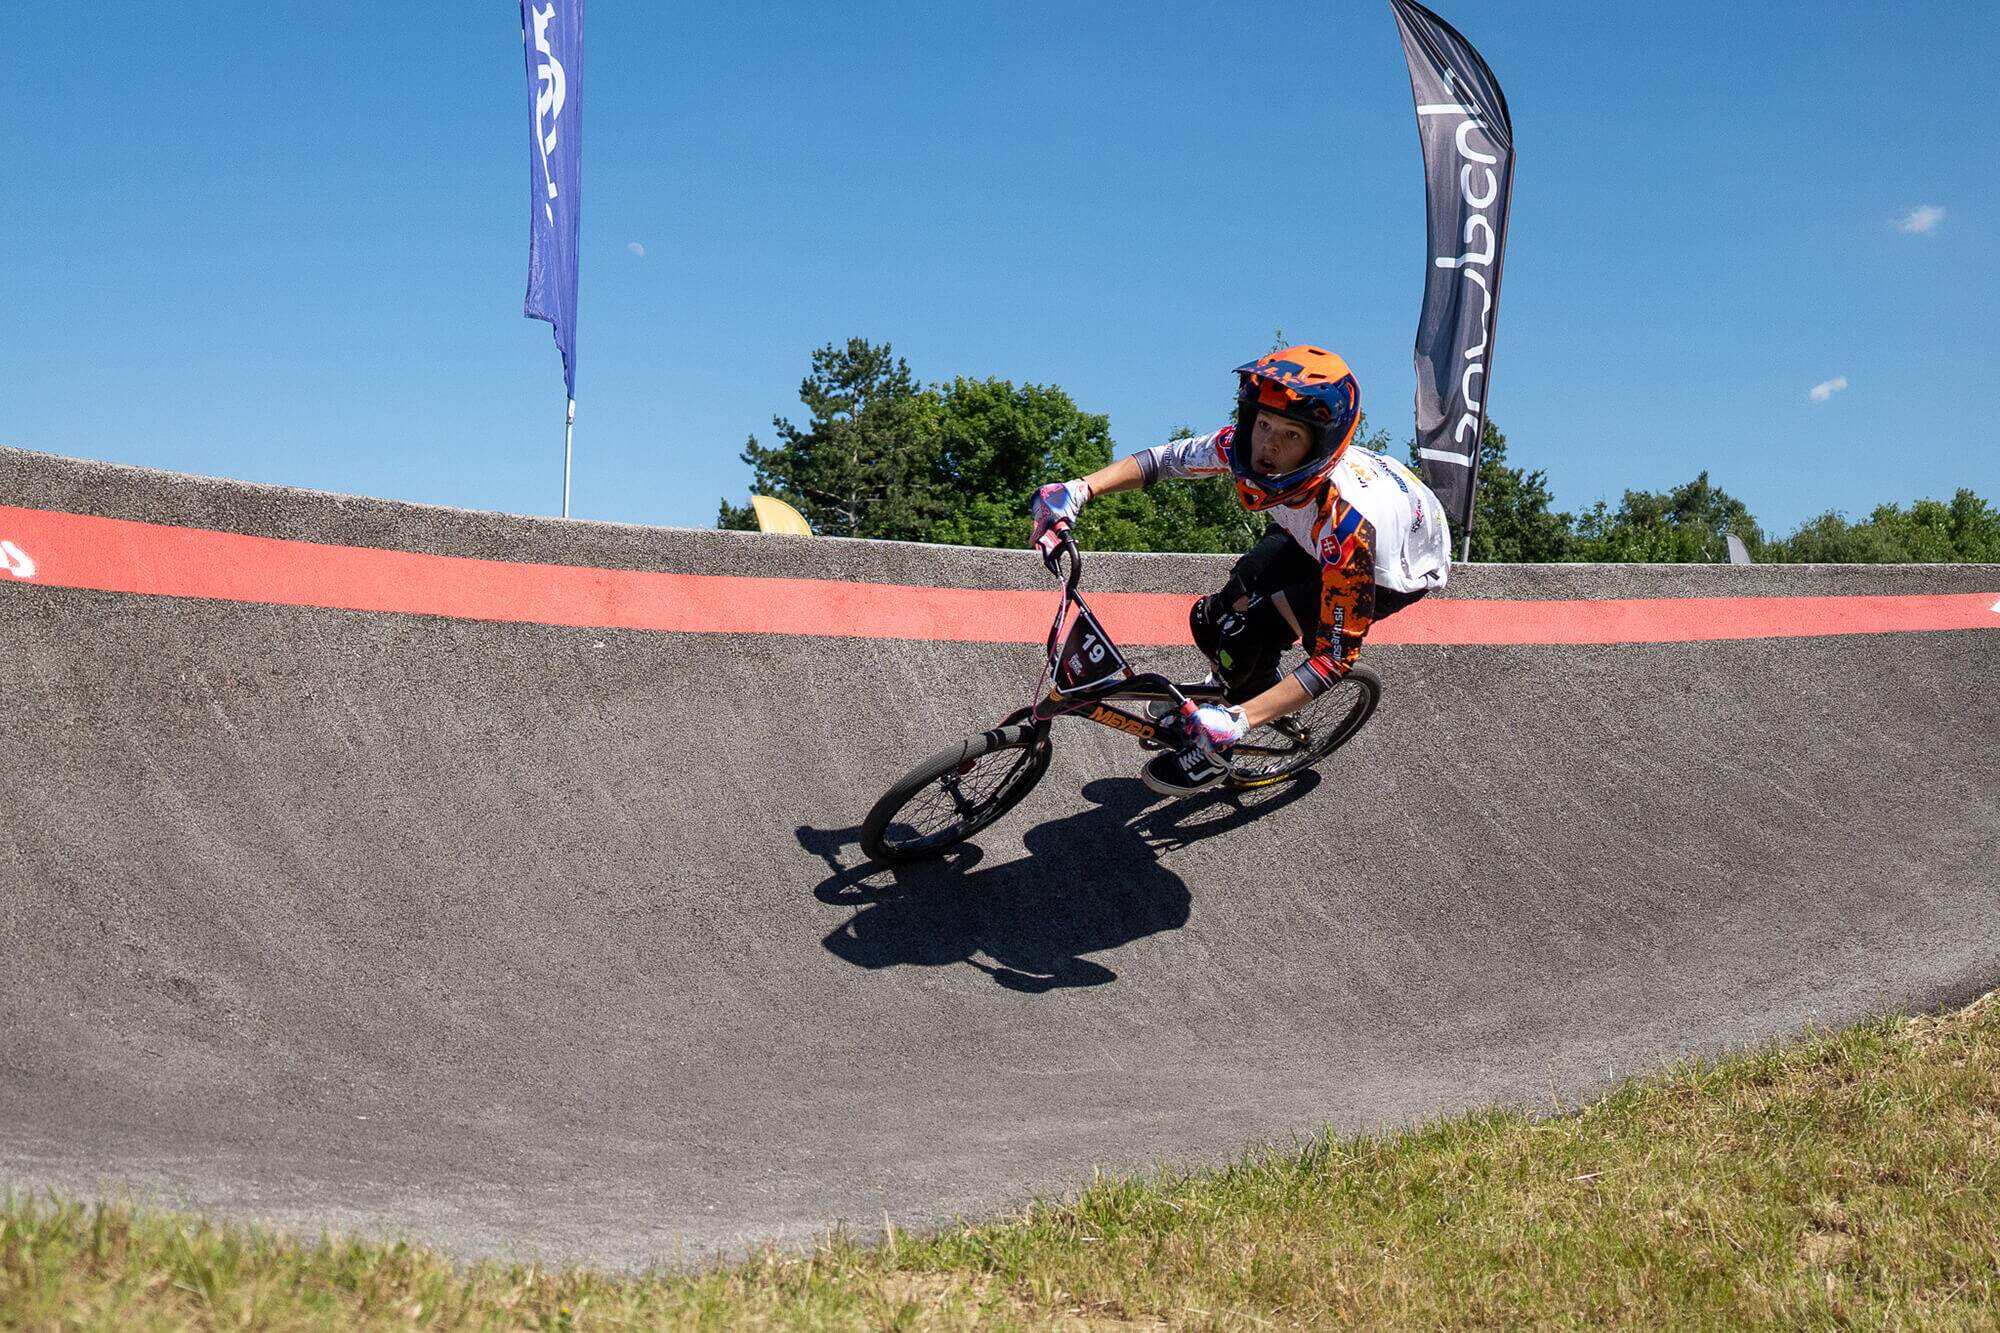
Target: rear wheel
[955,793]
[1294,743]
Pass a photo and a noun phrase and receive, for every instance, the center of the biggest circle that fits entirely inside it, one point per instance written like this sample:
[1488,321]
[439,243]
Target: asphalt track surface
[529,918]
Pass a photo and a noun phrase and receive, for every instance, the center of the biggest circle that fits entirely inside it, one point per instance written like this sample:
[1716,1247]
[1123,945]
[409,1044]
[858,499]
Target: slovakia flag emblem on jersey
[1339,543]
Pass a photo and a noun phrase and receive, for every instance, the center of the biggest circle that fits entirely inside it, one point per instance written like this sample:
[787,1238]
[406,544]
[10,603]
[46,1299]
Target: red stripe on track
[118,555]
[1683,619]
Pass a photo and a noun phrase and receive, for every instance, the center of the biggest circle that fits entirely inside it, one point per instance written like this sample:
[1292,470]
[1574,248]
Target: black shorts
[1278,564]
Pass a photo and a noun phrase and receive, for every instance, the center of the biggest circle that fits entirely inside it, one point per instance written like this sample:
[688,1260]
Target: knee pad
[1202,623]
[1238,642]
[1218,627]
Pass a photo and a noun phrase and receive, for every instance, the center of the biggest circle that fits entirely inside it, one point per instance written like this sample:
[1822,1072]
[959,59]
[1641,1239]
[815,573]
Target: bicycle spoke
[953,790]
[1291,743]
[958,802]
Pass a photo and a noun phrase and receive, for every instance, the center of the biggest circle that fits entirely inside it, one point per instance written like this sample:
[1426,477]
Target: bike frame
[1077,693]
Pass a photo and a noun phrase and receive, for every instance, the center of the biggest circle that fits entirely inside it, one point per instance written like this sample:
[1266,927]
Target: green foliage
[1966,530]
[1689,524]
[996,445]
[883,457]
[861,465]
[1200,516]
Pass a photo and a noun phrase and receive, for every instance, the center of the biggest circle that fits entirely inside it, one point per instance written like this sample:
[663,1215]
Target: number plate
[1088,657]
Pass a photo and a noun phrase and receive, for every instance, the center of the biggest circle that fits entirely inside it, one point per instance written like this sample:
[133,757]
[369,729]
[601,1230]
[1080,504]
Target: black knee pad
[1203,622]
[1243,644]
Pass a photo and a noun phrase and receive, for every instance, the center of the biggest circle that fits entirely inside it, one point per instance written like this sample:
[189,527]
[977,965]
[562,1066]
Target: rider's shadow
[1091,883]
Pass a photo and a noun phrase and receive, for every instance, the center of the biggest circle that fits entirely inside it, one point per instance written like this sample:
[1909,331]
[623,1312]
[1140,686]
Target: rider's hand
[1058,502]
[1222,726]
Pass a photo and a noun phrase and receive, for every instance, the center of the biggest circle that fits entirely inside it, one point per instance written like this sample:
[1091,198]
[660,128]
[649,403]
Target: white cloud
[1822,392]
[636,248]
[1920,220]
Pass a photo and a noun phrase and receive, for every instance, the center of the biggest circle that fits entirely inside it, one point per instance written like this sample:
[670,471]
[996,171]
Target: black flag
[1469,182]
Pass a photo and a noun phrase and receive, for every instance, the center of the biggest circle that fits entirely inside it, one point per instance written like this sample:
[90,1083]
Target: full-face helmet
[1309,385]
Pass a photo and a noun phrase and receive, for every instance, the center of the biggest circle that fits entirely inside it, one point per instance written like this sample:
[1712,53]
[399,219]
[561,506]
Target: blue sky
[289,245]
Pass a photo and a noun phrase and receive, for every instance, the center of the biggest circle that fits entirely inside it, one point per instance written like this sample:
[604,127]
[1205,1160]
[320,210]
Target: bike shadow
[1090,884]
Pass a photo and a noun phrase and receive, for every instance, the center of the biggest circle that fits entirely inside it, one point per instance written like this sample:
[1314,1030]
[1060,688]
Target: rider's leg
[1242,629]
[1244,633]
[1221,624]
[1301,598]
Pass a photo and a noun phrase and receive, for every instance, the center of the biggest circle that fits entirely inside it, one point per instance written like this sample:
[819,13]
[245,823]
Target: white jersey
[1370,523]
[1411,542]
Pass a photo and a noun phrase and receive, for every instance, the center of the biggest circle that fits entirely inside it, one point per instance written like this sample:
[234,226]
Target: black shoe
[1182,773]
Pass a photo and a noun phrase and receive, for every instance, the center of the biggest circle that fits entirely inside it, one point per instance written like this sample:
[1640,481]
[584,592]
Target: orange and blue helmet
[1309,385]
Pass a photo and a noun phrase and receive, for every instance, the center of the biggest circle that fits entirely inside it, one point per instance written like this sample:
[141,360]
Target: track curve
[529,937]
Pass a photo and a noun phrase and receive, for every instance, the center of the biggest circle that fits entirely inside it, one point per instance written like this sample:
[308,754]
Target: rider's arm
[1346,601]
[1193,456]
[1123,475]
[1287,696]
[1189,456]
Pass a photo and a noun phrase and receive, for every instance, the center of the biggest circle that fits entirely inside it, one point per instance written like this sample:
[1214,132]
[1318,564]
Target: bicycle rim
[1278,751]
[955,795]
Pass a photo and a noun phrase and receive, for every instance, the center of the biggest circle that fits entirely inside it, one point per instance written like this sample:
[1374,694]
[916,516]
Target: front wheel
[1295,743]
[955,793]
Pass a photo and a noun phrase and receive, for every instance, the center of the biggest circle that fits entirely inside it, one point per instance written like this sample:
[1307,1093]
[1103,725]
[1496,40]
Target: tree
[1201,515]
[1967,530]
[882,456]
[1002,442]
[862,465]
[1689,524]
[959,463]
[998,444]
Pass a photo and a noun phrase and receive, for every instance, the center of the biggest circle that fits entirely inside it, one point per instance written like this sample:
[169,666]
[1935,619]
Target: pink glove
[1221,726]
[1059,502]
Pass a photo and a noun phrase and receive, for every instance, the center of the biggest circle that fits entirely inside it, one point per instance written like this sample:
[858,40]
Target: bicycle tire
[886,840]
[1336,730]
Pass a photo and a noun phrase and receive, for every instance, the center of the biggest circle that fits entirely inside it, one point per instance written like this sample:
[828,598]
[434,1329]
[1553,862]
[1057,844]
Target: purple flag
[552,37]
[1468,144]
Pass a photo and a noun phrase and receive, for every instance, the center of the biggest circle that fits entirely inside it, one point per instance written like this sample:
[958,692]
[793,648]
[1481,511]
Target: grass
[1847,1179]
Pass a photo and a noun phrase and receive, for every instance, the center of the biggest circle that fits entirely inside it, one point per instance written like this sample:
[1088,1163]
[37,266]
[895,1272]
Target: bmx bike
[959,791]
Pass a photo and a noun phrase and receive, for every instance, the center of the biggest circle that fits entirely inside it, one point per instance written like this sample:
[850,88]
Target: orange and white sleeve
[1196,456]
[1346,601]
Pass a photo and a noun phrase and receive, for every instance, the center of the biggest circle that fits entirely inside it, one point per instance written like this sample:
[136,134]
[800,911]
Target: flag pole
[1492,336]
[569,449]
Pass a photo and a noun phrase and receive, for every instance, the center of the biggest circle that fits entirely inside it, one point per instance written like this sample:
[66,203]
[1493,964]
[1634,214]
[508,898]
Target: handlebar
[1054,544]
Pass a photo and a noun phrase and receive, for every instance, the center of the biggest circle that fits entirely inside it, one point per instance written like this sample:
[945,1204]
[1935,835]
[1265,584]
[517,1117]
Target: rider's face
[1278,444]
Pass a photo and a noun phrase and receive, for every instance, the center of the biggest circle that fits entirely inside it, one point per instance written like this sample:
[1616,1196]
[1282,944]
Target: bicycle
[959,791]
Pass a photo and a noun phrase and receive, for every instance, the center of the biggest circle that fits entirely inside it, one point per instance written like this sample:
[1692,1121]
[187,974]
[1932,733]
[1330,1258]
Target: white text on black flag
[1468,144]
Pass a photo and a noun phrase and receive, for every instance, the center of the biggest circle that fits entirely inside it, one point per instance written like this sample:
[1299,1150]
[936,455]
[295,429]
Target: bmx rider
[1356,537]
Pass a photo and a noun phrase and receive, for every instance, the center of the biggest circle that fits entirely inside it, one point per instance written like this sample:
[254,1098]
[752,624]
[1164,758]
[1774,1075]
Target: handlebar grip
[1053,543]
